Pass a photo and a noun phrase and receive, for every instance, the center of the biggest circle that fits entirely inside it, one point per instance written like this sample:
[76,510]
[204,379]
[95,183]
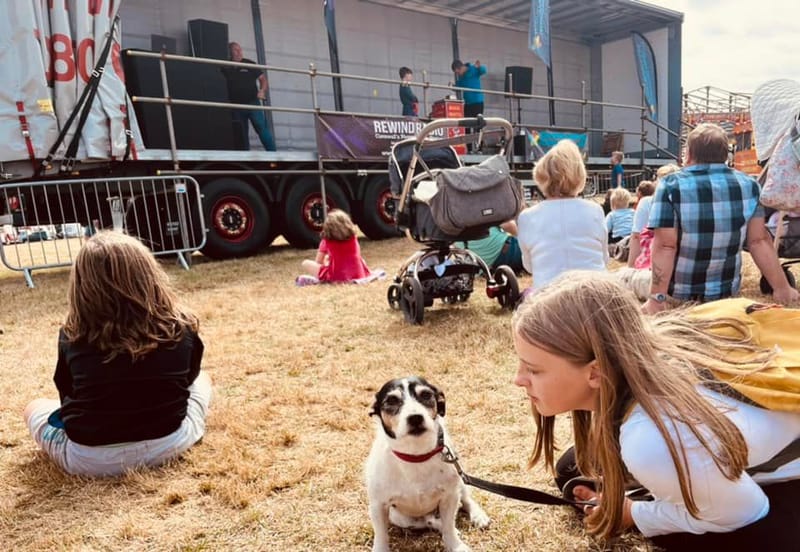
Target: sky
[737,44]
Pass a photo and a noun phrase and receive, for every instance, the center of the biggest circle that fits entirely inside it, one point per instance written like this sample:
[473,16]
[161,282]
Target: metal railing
[315,108]
[49,221]
[599,182]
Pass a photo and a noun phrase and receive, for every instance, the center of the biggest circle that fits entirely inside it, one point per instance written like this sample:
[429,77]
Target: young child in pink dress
[339,254]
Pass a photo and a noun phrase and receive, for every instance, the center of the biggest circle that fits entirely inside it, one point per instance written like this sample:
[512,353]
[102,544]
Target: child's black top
[121,401]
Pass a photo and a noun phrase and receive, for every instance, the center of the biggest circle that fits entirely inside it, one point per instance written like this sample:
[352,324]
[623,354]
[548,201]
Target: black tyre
[412,300]
[377,216]
[766,289]
[509,287]
[304,210]
[393,296]
[237,218]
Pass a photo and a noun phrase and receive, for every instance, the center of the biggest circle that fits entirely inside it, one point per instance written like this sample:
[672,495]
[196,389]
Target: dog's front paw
[479,518]
[380,548]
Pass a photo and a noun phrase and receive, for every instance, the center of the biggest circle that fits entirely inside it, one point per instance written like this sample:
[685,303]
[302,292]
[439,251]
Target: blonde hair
[653,362]
[560,173]
[338,226]
[617,156]
[667,169]
[707,143]
[121,300]
[620,198]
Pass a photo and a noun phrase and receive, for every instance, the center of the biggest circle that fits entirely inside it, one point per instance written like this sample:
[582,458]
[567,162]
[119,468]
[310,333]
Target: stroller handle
[480,123]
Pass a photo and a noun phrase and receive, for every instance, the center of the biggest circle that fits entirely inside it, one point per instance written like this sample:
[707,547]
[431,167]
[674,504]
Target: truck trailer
[161,108]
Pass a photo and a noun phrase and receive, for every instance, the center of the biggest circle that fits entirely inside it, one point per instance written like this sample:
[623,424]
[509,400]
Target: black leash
[510,491]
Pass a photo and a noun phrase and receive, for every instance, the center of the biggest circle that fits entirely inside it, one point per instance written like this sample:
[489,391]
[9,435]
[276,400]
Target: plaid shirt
[710,205]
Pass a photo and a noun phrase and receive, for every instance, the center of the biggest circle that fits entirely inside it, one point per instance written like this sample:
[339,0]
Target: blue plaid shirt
[710,205]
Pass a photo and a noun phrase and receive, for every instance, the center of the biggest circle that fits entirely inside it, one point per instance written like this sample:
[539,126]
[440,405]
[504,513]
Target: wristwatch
[658,297]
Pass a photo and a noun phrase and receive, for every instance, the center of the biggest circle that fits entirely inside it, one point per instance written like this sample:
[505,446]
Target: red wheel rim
[232,218]
[385,206]
[311,210]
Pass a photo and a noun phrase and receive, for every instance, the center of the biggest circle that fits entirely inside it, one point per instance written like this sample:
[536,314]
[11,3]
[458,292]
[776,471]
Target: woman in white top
[634,388]
[563,232]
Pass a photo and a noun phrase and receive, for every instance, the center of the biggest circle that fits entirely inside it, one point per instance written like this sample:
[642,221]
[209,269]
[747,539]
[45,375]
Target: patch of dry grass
[280,468]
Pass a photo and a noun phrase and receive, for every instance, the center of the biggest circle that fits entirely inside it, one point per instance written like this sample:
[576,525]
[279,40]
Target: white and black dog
[408,481]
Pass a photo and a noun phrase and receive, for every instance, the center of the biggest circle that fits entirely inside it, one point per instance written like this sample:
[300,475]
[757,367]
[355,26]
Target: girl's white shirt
[558,235]
[723,505]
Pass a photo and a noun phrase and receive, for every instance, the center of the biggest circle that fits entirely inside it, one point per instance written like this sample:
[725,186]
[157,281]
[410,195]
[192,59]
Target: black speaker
[166,44]
[195,127]
[208,39]
[522,77]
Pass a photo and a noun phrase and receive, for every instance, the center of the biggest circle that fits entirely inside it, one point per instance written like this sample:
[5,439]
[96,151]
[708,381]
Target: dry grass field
[280,468]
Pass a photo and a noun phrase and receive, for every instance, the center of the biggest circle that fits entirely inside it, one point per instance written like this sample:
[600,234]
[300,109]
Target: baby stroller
[788,247]
[421,172]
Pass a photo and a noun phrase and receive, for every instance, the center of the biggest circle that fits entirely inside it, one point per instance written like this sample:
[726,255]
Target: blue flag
[539,30]
[646,67]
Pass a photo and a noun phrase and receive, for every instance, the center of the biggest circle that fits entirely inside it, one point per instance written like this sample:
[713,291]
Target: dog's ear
[376,406]
[440,405]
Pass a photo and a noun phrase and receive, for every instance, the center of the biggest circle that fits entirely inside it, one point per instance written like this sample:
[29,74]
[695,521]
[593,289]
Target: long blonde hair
[121,300]
[653,362]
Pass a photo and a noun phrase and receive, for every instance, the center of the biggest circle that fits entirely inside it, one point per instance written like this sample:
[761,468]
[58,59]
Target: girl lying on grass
[128,373]
[633,386]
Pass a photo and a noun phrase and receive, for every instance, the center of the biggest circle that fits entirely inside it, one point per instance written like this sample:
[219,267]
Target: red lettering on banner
[53,2]
[116,61]
[62,61]
[85,58]
[95,7]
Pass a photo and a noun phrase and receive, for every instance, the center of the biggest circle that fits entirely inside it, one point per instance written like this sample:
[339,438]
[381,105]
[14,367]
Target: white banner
[24,85]
[48,49]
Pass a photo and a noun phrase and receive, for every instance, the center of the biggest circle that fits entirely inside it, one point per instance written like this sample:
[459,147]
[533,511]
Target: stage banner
[539,30]
[646,67]
[342,136]
[329,14]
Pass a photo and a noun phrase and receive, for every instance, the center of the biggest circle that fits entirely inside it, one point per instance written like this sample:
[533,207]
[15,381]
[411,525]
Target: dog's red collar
[418,458]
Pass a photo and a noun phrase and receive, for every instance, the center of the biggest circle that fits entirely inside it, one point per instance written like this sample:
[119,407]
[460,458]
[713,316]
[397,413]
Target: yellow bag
[776,387]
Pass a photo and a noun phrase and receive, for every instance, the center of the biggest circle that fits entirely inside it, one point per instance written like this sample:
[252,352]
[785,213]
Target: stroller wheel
[412,300]
[462,297]
[507,293]
[766,289]
[393,296]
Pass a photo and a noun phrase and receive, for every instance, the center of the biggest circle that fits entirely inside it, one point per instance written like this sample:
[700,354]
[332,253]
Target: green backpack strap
[789,453]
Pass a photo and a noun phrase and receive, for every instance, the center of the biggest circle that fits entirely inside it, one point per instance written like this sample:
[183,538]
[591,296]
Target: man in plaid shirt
[701,217]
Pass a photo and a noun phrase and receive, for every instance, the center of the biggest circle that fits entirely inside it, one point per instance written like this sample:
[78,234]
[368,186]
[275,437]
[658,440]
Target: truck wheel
[304,209]
[377,218]
[237,218]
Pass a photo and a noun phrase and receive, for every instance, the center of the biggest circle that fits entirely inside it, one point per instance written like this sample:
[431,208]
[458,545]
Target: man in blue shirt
[701,218]
[469,76]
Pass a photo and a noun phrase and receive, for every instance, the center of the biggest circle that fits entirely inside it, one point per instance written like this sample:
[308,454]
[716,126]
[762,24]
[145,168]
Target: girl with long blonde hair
[128,372]
[641,410]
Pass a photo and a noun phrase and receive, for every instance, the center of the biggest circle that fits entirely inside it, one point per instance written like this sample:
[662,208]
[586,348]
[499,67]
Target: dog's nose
[416,420]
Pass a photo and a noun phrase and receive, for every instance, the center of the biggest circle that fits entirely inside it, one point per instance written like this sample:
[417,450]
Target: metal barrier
[599,182]
[49,221]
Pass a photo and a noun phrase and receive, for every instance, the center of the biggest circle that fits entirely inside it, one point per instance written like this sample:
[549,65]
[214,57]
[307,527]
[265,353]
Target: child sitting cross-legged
[339,254]
[128,376]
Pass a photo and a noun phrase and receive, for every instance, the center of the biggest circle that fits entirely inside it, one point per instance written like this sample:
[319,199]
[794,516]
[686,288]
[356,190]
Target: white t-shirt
[642,214]
[558,235]
[724,505]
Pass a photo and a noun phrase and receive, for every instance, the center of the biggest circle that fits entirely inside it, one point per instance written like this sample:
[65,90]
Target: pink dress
[646,244]
[344,261]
